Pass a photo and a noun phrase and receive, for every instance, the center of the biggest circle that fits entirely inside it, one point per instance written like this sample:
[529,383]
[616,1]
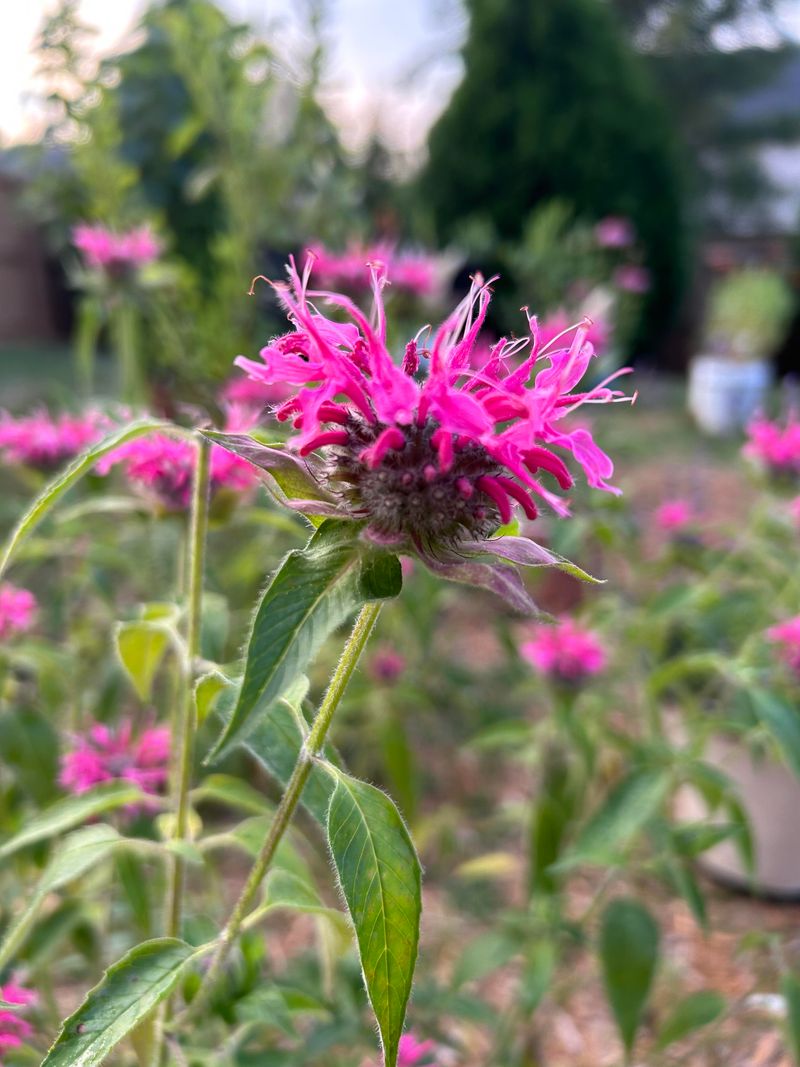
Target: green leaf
[72,474]
[693,1012]
[783,723]
[380,877]
[381,575]
[71,811]
[206,691]
[233,792]
[78,853]
[284,889]
[483,955]
[128,991]
[294,478]
[628,953]
[276,741]
[626,810]
[141,646]
[314,590]
[790,987]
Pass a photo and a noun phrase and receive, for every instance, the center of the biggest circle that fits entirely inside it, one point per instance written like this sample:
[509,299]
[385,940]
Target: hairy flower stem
[187,716]
[308,754]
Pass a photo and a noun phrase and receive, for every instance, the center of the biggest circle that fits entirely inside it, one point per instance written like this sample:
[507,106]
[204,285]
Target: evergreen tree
[554,103]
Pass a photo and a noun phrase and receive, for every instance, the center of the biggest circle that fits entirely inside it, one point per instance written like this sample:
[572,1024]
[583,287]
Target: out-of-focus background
[636,162]
[498,133]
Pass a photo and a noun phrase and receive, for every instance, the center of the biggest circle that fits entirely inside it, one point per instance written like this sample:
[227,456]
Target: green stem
[187,716]
[87,333]
[126,349]
[309,752]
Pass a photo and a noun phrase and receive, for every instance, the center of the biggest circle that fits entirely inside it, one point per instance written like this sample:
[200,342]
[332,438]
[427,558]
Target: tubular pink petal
[390,438]
[465,488]
[443,443]
[489,485]
[518,493]
[541,459]
[330,437]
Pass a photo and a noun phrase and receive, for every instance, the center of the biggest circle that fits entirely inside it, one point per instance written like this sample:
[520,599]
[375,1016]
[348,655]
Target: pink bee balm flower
[775,447]
[252,396]
[565,651]
[163,467]
[386,665]
[414,1053]
[45,441]
[106,754]
[17,610]
[415,273]
[674,515]
[14,1030]
[434,462]
[632,278]
[115,253]
[614,231]
[787,636]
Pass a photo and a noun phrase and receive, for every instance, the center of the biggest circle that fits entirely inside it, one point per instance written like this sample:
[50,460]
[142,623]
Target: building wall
[26,306]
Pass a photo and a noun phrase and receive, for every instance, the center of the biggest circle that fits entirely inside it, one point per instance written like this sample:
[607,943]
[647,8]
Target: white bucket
[725,395]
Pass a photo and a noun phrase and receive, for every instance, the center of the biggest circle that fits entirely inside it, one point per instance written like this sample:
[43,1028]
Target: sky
[393,59]
[386,57]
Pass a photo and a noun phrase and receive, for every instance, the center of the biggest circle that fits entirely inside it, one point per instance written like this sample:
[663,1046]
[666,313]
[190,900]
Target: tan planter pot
[770,795]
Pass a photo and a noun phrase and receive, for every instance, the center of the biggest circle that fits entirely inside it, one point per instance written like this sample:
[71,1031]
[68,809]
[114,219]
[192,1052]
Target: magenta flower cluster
[674,516]
[415,1053]
[17,610]
[566,652]
[45,441]
[774,446]
[414,273]
[108,753]
[431,452]
[116,253]
[163,468]
[786,635]
[14,1030]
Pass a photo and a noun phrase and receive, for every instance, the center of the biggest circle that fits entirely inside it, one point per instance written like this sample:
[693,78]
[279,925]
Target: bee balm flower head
[14,1030]
[431,464]
[786,635]
[45,441]
[107,753]
[414,1053]
[566,652]
[17,610]
[116,254]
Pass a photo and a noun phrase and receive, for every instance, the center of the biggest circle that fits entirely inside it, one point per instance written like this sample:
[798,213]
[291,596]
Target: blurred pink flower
[163,467]
[565,651]
[106,754]
[415,273]
[17,610]
[787,636]
[775,447]
[429,463]
[45,441]
[386,665]
[614,231]
[14,1030]
[674,515]
[103,249]
[414,1053]
[252,396]
[632,278]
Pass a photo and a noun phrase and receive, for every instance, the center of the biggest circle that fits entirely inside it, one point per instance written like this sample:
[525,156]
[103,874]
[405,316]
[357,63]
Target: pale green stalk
[309,752]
